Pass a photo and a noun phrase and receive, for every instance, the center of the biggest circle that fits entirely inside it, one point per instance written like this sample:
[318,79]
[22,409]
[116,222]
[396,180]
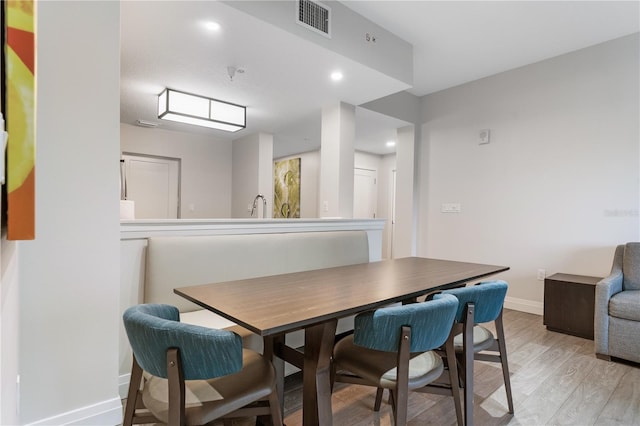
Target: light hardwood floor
[556,379]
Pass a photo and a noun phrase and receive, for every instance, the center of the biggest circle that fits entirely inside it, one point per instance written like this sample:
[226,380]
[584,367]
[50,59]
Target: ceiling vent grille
[315,16]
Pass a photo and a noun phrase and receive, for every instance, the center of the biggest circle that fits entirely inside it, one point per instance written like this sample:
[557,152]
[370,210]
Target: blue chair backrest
[430,324]
[488,298]
[205,353]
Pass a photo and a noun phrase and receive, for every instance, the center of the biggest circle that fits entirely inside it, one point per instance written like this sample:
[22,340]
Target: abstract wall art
[286,188]
[20,117]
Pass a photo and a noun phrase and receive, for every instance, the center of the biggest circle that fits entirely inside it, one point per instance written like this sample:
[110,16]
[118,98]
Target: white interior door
[152,183]
[365,193]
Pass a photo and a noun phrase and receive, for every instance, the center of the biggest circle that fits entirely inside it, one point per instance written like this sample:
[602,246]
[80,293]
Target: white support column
[336,161]
[265,171]
[403,236]
[252,174]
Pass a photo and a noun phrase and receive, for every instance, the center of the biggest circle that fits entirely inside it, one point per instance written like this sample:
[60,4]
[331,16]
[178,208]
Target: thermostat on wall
[483,136]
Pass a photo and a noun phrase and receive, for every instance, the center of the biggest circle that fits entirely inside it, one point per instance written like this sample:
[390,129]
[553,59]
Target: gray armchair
[617,307]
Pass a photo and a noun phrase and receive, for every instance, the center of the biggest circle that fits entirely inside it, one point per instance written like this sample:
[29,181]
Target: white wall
[265,171]
[9,332]
[366,160]
[252,175]
[336,160]
[384,166]
[245,175]
[404,236]
[558,186]
[404,106]
[205,166]
[69,275]
[385,201]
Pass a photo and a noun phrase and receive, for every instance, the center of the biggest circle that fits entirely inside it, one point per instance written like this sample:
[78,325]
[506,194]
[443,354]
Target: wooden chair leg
[401,392]
[175,378]
[376,405]
[400,413]
[132,395]
[274,406]
[505,364]
[453,378]
[332,376]
[467,344]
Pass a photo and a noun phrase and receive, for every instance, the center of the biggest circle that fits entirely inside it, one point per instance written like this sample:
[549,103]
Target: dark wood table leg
[271,352]
[316,391]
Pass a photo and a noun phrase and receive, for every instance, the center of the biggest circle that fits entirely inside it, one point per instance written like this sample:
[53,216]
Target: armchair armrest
[608,286]
[605,289]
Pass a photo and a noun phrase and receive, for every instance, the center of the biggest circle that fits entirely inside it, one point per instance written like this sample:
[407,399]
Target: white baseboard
[123,385]
[108,412]
[524,305]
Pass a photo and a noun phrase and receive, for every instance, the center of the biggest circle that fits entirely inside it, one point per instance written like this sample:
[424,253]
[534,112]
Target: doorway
[365,193]
[153,184]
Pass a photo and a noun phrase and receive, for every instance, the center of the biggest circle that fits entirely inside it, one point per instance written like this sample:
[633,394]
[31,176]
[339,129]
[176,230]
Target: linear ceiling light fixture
[201,111]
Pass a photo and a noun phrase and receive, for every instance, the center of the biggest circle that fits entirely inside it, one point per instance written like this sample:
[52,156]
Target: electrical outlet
[542,274]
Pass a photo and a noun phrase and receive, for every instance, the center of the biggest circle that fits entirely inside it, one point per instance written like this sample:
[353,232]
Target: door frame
[162,157]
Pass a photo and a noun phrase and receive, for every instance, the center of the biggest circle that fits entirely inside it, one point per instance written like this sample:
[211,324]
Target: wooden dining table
[313,301]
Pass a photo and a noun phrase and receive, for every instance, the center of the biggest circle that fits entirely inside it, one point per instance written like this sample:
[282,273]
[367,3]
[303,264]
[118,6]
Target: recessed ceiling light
[336,76]
[391,143]
[213,26]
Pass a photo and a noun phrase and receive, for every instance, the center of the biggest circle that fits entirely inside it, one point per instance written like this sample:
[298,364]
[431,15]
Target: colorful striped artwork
[20,118]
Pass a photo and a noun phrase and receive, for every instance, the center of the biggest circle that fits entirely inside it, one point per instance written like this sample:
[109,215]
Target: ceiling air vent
[315,16]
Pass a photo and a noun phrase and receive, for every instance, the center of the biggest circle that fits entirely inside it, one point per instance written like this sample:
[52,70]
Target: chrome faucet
[264,205]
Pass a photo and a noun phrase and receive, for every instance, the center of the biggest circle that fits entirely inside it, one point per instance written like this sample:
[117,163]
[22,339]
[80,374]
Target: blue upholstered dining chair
[392,348]
[479,304]
[191,374]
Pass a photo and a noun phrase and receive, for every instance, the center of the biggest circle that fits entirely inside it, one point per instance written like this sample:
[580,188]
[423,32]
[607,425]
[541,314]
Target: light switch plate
[451,208]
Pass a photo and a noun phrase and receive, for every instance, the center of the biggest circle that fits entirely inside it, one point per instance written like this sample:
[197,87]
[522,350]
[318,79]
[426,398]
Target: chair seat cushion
[625,305]
[207,400]
[209,319]
[205,318]
[482,339]
[379,368]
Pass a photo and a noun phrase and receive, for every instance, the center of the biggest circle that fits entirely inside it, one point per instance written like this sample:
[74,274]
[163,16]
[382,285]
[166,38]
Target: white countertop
[144,228]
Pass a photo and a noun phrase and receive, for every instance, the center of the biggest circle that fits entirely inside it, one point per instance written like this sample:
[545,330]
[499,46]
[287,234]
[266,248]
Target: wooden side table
[568,304]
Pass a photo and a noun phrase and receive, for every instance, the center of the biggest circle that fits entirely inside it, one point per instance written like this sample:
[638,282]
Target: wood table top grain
[284,303]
